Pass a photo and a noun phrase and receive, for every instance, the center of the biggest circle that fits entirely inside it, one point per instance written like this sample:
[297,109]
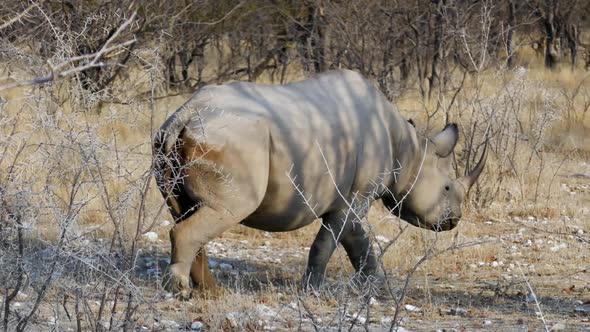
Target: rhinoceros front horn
[468,180]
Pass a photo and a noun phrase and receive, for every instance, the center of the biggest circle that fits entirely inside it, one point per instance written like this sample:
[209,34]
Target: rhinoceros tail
[167,165]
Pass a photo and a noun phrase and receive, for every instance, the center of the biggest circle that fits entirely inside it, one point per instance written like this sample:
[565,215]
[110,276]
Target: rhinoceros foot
[177,284]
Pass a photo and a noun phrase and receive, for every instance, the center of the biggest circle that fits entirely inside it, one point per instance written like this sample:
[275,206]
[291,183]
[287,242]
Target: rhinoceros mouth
[445,224]
[442,225]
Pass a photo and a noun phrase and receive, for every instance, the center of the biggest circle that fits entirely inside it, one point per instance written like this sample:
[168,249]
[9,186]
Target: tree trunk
[572,43]
[550,34]
[509,40]
[437,47]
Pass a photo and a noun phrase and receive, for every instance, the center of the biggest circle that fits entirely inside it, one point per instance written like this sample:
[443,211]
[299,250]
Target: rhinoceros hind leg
[189,238]
[201,275]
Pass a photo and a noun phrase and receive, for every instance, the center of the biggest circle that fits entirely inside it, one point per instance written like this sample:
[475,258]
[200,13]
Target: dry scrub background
[84,229]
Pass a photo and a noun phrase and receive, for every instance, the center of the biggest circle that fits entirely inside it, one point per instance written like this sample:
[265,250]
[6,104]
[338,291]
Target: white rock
[265,311]
[356,317]
[170,324]
[165,223]
[373,302]
[558,247]
[412,308]
[151,236]
[231,320]
[382,239]
[386,320]
[196,325]
[495,264]
[558,327]
[400,329]
[531,297]
[487,322]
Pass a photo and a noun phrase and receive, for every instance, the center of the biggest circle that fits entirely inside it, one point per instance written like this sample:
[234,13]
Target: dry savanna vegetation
[84,85]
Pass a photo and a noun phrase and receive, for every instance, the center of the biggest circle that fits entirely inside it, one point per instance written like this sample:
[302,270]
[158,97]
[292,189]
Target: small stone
[382,239]
[165,223]
[495,264]
[196,325]
[170,324]
[151,236]
[459,312]
[412,308]
[531,297]
[558,327]
[373,302]
[265,311]
[386,320]
[230,318]
[487,322]
[583,308]
[558,247]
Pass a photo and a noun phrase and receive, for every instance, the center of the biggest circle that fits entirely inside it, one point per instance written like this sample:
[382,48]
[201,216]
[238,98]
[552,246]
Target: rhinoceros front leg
[360,252]
[334,228]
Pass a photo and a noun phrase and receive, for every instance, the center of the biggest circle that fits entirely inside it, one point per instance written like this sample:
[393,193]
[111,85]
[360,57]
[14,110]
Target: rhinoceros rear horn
[445,141]
[468,180]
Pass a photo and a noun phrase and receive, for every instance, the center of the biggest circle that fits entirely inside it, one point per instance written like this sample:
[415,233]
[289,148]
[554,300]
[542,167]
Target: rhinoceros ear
[410,121]
[445,141]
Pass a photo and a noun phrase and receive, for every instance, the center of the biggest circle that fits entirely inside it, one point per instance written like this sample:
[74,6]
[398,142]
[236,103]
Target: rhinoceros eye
[447,187]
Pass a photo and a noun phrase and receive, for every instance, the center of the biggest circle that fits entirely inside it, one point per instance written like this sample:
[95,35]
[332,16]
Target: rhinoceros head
[433,199]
